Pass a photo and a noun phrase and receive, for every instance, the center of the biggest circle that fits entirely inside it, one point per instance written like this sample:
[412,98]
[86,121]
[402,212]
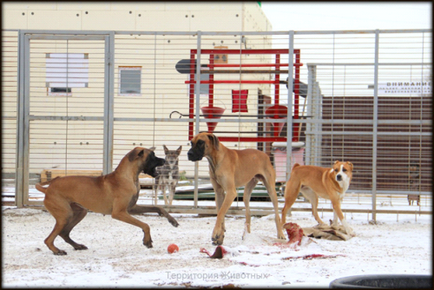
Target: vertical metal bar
[289,122]
[375,129]
[309,99]
[297,95]
[211,81]
[277,81]
[26,131]
[191,95]
[197,94]
[19,172]
[108,103]
[318,126]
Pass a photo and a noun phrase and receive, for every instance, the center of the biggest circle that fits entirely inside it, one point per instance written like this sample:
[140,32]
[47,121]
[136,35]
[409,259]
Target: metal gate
[64,104]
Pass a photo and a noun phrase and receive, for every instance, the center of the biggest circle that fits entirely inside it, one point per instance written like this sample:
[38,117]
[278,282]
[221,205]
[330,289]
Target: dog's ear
[165,149]
[136,152]
[178,151]
[152,148]
[214,141]
[350,165]
[336,161]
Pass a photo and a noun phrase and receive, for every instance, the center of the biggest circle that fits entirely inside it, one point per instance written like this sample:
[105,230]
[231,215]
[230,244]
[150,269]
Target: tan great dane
[69,198]
[229,169]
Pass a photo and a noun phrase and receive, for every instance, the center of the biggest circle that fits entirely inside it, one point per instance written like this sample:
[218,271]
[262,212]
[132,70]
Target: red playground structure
[277,111]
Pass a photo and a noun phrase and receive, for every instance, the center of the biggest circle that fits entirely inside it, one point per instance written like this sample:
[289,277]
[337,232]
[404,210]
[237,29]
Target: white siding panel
[109,20]
[46,19]
[157,20]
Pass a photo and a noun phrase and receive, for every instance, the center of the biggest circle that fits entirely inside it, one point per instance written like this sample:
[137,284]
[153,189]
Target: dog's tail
[295,165]
[40,188]
[44,189]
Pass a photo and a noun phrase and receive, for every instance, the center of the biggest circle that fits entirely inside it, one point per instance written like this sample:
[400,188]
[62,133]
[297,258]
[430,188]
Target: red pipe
[234,82]
[251,139]
[243,51]
[249,65]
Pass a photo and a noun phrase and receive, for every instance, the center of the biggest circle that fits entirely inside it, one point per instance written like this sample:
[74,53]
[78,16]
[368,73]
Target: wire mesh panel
[301,97]
[143,116]
[346,115]
[405,113]
[66,108]
[9,110]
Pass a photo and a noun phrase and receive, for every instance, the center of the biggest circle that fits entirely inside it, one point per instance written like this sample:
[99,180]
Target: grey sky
[348,15]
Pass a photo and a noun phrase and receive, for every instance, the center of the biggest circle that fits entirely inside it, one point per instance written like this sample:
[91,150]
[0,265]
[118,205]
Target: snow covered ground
[117,258]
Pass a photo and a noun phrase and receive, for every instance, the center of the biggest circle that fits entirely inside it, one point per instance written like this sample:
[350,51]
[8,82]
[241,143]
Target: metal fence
[78,101]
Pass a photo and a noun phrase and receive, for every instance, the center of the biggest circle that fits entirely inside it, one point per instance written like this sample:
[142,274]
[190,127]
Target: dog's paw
[217,240]
[174,222]
[147,243]
[60,253]
[217,243]
[352,233]
[80,247]
[349,232]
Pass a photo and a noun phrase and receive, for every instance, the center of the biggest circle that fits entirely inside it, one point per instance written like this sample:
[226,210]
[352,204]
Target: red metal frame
[277,65]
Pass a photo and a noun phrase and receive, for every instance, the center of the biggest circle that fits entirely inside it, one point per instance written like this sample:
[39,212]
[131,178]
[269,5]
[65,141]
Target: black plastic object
[183,66]
[384,281]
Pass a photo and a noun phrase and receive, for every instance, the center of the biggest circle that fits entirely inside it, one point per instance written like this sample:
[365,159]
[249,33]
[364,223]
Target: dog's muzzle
[339,177]
[194,156]
[151,166]
[160,162]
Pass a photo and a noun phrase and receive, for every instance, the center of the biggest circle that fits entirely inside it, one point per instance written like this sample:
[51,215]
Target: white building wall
[126,16]
[134,16]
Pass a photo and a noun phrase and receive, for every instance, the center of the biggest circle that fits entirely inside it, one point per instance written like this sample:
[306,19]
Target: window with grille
[130,80]
[65,71]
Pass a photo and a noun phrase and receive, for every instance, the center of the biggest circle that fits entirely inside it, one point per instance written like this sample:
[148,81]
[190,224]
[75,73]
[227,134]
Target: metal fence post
[289,121]
[309,126]
[197,113]
[21,99]
[108,103]
[375,130]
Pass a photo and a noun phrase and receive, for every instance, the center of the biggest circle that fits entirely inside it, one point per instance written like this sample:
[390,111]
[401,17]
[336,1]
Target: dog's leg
[165,194]
[172,188]
[218,232]
[335,219]
[335,216]
[271,189]
[139,209]
[120,213]
[156,186]
[78,214]
[246,198]
[291,191]
[337,207]
[62,212]
[314,201]
[219,197]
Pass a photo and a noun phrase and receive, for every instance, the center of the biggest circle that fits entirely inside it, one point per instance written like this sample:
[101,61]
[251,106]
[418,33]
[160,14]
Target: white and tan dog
[314,181]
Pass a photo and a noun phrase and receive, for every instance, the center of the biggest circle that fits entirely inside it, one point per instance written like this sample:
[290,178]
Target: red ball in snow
[172,248]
